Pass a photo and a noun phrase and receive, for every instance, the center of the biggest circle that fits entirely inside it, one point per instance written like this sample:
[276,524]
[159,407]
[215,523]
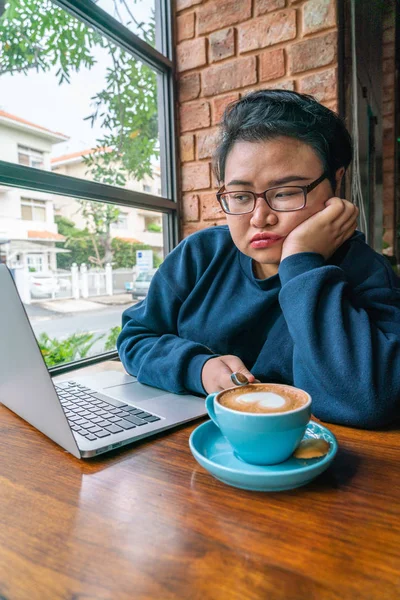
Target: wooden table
[148,522]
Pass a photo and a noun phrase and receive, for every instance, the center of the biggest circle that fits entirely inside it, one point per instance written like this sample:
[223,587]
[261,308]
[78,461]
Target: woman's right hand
[216,373]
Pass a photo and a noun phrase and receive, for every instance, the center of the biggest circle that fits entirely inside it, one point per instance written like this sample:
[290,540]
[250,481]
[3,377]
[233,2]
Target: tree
[37,34]
[79,242]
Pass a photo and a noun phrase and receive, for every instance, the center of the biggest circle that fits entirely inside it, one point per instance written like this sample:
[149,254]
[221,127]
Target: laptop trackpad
[134,393]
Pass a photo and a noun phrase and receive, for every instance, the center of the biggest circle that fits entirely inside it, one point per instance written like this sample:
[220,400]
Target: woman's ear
[339,176]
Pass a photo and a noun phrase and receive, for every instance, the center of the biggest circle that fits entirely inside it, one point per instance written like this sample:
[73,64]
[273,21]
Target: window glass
[74,271]
[137,15]
[76,103]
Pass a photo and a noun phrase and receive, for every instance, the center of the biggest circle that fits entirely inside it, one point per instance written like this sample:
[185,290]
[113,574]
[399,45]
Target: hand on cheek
[325,231]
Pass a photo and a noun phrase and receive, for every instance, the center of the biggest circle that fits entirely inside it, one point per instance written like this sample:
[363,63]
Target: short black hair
[267,114]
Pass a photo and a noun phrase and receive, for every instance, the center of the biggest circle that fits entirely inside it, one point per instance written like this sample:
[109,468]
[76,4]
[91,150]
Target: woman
[288,291]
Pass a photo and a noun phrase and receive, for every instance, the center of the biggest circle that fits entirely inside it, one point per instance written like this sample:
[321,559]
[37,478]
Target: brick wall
[227,48]
[388,150]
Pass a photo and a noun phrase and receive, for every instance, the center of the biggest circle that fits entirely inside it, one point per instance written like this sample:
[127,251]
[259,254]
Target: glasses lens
[286,198]
[237,202]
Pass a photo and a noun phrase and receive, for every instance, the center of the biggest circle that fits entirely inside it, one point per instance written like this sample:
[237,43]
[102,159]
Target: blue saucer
[213,452]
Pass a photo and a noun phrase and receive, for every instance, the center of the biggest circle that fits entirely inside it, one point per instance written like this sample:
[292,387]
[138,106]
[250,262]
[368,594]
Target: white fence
[80,282]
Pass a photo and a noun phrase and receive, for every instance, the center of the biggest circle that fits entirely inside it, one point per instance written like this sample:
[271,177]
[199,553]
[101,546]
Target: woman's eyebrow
[273,182]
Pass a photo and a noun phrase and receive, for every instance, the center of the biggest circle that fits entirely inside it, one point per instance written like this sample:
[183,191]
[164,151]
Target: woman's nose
[263,214]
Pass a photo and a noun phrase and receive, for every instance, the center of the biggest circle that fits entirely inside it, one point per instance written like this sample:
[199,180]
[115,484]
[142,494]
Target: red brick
[195,176]
[222,44]
[219,104]
[182,4]
[185,26]
[272,64]
[388,195]
[265,6]
[189,87]
[388,140]
[210,207]
[195,115]
[388,121]
[388,80]
[229,76]
[313,53]
[192,228]
[388,65]
[388,165]
[187,148]
[323,85]
[207,143]
[388,181]
[388,225]
[191,208]
[191,54]
[218,14]
[318,15]
[388,36]
[280,85]
[332,105]
[388,50]
[267,31]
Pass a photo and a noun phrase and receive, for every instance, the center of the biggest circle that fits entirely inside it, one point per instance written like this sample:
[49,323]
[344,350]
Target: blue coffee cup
[265,438]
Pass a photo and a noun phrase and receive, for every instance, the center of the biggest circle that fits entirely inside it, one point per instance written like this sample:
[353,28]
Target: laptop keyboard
[95,415]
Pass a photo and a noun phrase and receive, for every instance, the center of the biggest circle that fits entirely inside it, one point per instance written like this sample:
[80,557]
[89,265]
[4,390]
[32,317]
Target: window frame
[31,153]
[30,178]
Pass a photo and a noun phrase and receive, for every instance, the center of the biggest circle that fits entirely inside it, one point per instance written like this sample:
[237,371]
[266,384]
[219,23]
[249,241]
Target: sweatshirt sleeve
[150,347]
[346,341]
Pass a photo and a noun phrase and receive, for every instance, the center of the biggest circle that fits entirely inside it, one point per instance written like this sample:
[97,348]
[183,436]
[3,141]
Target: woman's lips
[264,241]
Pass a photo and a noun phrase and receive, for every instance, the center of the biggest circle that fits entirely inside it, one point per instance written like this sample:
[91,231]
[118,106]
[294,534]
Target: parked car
[43,285]
[142,283]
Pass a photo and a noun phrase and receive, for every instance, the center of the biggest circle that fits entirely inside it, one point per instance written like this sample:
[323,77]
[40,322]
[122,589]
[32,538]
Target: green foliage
[79,242]
[111,340]
[154,227]
[37,34]
[74,347]
[124,254]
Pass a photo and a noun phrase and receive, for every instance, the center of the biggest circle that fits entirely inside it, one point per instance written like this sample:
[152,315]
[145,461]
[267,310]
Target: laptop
[85,415]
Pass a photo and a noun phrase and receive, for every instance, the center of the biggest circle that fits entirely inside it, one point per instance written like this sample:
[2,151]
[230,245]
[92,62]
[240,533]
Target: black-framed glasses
[283,198]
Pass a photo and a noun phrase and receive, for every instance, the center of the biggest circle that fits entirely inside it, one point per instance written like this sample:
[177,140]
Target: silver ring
[235,378]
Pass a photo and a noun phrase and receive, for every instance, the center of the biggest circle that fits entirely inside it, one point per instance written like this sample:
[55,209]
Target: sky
[37,97]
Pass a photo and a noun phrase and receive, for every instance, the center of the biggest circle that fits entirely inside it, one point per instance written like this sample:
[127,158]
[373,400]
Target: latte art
[263,398]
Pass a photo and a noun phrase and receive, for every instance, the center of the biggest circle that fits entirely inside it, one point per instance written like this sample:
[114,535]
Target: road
[62,325]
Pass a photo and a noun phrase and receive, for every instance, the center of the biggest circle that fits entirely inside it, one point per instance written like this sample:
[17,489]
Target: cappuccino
[263,398]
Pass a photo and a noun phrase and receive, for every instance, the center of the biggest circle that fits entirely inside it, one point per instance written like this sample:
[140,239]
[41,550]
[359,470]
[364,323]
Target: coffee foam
[263,398]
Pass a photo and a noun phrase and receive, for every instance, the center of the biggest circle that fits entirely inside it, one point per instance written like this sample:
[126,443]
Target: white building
[134,225]
[28,231]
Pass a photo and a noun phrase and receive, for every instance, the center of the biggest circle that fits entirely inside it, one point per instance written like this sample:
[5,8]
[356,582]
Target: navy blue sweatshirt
[330,327]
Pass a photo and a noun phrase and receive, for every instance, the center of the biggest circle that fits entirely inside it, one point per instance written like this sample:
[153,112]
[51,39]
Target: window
[30,157]
[121,222]
[33,210]
[88,116]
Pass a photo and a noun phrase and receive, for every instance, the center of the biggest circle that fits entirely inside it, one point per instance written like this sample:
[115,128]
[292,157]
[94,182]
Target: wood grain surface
[148,522]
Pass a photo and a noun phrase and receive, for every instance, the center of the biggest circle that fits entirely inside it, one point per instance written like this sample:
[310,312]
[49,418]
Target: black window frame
[29,178]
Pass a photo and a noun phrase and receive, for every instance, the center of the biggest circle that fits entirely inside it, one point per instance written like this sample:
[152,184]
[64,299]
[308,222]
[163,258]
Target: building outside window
[30,157]
[79,221]
[33,210]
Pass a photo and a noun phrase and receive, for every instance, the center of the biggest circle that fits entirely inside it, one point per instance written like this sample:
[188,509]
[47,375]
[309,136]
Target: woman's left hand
[324,231]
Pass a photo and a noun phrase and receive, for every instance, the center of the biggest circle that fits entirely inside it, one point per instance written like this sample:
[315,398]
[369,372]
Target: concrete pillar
[75,281]
[109,280]
[84,281]
[21,278]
